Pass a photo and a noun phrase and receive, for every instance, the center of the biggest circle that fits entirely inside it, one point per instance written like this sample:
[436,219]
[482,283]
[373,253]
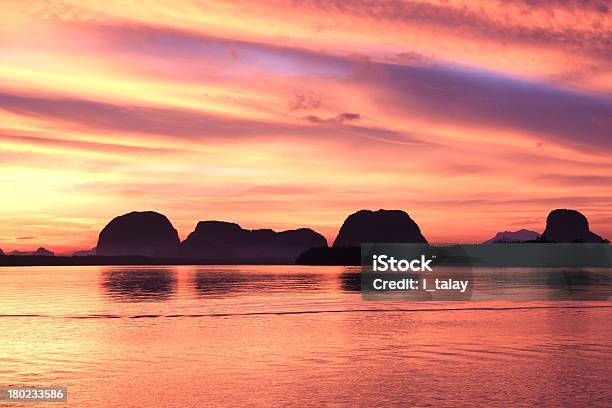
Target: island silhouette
[378,226]
[215,239]
[148,237]
[568,226]
[145,233]
[364,226]
[85,252]
[521,235]
[39,252]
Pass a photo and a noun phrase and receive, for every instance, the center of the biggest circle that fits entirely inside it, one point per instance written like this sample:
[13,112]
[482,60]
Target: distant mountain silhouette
[226,240]
[85,252]
[1,252]
[139,233]
[564,225]
[514,236]
[39,252]
[382,226]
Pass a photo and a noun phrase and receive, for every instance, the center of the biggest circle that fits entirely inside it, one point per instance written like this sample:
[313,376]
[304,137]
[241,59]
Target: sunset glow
[473,118]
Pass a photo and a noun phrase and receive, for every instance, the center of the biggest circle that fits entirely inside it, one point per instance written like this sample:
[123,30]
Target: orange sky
[474,118]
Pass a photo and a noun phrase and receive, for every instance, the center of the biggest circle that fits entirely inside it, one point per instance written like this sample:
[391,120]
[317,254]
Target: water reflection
[220,282]
[350,280]
[579,284]
[523,284]
[139,285]
[529,284]
[274,347]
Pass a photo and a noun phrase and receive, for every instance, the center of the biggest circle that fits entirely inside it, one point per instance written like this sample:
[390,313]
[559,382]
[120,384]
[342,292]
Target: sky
[472,117]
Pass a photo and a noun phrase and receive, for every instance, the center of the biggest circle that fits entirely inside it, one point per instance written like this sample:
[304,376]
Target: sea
[194,336]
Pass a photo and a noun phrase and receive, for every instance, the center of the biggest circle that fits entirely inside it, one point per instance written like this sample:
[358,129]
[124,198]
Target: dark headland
[149,238]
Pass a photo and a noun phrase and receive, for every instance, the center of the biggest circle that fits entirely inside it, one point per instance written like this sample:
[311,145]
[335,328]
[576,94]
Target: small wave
[400,310]
[304,312]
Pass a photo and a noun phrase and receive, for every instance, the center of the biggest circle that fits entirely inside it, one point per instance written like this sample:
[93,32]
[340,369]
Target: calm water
[268,335]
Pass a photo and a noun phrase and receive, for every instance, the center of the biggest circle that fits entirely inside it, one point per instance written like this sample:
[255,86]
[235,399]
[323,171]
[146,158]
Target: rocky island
[149,238]
[39,252]
[364,226]
[521,235]
[229,241]
[388,226]
[568,226]
[145,233]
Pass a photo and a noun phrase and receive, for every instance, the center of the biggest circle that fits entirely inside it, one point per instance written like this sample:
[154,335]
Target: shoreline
[10,260]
